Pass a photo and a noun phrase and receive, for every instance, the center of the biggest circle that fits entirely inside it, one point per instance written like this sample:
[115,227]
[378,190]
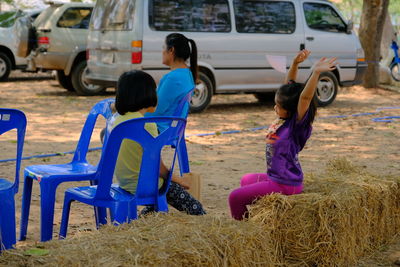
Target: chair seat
[5,184]
[61,170]
[86,194]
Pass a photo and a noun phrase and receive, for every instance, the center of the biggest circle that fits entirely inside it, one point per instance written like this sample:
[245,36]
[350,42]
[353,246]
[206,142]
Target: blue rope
[381,119]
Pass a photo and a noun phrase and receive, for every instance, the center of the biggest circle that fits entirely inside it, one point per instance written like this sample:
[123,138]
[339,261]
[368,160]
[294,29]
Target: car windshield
[113,15]
[7,18]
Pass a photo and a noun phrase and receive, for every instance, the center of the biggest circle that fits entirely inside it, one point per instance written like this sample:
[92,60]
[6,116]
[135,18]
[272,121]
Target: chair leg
[47,202]
[26,204]
[7,220]
[132,211]
[183,157]
[65,217]
[162,205]
[100,213]
[120,213]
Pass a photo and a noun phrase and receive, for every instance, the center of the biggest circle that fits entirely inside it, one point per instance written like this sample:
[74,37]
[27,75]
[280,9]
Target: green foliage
[352,9]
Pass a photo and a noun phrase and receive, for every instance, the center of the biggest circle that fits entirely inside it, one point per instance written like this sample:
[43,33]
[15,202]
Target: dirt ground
[56,116]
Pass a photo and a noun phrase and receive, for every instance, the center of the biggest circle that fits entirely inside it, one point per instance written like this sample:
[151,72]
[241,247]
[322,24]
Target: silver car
[61,32]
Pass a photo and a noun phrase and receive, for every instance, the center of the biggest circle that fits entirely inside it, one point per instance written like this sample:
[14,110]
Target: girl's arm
[164,172]
[300,57]
[308,92]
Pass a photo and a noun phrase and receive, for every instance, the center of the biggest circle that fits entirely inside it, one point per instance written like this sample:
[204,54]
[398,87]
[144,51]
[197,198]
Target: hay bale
[159,240]
[342,215]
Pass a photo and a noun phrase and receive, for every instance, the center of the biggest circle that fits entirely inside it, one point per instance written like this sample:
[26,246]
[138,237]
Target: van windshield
[113,15]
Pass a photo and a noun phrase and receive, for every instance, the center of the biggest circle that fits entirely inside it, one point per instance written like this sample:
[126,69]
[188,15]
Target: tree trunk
[372,21]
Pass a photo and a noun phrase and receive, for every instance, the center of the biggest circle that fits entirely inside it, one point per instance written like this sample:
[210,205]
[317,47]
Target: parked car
[61,33]
[9,60]
[233,38]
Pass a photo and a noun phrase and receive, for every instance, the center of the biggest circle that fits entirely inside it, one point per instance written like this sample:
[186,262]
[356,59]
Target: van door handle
[310,38]
[302,47]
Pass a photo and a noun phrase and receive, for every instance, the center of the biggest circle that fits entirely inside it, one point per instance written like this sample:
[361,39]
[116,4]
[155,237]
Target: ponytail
[193,60]
[182,50]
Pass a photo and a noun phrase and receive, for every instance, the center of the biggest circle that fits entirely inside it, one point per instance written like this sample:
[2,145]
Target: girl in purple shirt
[285,138]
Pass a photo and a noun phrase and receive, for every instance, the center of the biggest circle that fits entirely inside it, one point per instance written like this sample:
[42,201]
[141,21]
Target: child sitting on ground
[286,137]
[136,95]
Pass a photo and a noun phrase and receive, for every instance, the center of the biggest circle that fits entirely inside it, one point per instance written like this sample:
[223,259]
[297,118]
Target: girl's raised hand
[301,56]
[325,64]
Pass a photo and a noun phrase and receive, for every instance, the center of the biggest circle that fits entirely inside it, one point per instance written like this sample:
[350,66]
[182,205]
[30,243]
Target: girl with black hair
[286,137]
[174,85]
[136,95]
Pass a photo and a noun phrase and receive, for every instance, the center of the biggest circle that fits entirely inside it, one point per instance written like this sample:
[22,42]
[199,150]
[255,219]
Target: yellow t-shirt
[130,155]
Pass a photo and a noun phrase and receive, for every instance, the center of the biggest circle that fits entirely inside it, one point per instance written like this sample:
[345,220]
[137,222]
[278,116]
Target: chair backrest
[147,187]
[183,105]
[14,119]
[101,108]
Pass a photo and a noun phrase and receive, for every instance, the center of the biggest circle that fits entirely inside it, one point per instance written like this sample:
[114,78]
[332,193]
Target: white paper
[277,62]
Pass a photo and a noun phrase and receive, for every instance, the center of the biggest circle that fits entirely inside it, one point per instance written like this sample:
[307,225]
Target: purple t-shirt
[285,139]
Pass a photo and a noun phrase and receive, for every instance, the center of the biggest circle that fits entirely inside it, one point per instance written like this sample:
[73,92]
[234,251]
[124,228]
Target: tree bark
[371,27]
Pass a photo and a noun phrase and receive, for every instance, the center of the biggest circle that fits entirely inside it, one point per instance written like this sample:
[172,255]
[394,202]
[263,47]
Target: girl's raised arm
[300,57]
[308,92]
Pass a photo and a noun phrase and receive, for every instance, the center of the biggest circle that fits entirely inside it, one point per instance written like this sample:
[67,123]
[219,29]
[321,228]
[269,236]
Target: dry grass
[341,216]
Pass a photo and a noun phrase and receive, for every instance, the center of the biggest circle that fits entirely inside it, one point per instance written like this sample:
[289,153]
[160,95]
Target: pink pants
[252,187]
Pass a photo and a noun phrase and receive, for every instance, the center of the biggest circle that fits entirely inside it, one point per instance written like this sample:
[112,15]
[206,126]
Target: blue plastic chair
[10,119]
[183,157]
[50,176]
[123,205]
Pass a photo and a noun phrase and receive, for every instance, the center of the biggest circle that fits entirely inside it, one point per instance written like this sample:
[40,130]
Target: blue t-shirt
[172,88]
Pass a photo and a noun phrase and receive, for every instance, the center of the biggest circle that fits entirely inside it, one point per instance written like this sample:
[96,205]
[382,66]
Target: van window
[114,15]
[75,18]
[323,17]
[190,16]
[264,16]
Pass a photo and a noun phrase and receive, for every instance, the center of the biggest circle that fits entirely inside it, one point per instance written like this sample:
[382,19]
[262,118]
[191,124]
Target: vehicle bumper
[93,79]
[360,71]
[50,60]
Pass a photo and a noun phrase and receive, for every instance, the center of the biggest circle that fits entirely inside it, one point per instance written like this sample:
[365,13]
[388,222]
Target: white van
[233,38]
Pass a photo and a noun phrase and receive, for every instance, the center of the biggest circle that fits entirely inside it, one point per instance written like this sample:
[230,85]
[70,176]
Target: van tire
[202,94]
[64,80]
[5,67]
[265,97]
[327,89]
[80,86]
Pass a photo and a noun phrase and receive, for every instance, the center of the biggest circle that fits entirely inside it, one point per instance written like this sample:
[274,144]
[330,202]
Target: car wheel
[327,89]
[265,97]
[395,71]
[80,85]
[202,94]
[5,66]
[64,80]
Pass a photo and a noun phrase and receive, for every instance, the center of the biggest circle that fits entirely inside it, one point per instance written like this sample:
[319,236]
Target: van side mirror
[349,27]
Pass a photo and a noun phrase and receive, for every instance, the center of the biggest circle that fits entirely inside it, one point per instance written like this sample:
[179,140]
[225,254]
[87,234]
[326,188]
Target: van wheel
[265,97]
[202,94]
[64,80]
[327,89]
[395,71]
[80,85]
[5,66]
